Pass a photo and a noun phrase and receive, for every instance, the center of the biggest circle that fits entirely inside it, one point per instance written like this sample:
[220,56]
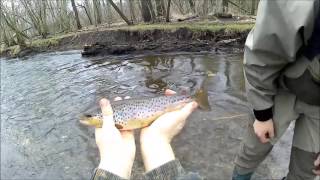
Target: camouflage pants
[306,139]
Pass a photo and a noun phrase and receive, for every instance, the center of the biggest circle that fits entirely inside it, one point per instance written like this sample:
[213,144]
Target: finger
[169,92]
[187,110]
[190,107]
[264,139]
[117,99]
[127,97]
[316,172]
[107,113]
[271,133]
[317,161]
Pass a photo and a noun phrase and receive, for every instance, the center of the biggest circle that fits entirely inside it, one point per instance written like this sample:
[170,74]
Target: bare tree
[38,19]
[253,5]
[121,6]
[145,12]
[179,4]
[168,11]
[131,7]
[97,11]
[87,13]
[192,6]
[150,6]
[21,20]
[120,12]
[225,5]
[20,35]
[160,7]
[76,14]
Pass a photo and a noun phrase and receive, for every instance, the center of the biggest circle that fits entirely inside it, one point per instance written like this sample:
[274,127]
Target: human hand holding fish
[155,139]
[161,118]
[117,148]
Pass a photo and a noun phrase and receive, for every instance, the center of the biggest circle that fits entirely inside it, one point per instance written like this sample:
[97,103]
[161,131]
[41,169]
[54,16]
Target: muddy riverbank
[155,38]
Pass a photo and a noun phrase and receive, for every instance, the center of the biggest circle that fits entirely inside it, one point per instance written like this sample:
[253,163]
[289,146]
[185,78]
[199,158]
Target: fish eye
[88,115]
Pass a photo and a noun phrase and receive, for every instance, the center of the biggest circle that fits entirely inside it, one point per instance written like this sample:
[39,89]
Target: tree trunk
[160,8]
[36,19]
[225,6]
[253,5]
[88,11]
[97,12]
[121,6]
[109,13]
[192,7]
[238,6]
[76,14]
[131,7]
[168,11]
[153,14]
[205,7]
[19,34]
[145,12]
[120,12]
[179,5]
[43,19]
[219,7]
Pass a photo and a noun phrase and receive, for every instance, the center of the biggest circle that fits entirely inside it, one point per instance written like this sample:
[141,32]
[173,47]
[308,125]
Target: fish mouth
[91,120]
[85,119]
[84,122]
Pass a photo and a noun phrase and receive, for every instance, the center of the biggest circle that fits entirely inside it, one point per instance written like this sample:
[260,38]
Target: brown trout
[131,114]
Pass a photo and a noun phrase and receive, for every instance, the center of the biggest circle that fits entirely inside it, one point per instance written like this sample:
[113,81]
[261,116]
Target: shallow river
[42,97]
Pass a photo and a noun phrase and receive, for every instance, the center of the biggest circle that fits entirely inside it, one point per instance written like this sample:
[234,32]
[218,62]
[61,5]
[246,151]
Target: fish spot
[118,126]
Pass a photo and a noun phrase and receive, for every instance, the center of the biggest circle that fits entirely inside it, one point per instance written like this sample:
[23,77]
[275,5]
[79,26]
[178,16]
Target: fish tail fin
[90,120]
[201,97]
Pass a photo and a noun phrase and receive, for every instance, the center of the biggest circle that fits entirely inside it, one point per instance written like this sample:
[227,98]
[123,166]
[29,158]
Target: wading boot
[237,176]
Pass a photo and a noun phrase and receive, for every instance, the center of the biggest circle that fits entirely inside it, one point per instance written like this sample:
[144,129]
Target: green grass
[196,27]
[54,41]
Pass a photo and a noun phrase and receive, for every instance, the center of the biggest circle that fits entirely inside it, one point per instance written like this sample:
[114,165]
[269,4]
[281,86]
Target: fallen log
[188,18]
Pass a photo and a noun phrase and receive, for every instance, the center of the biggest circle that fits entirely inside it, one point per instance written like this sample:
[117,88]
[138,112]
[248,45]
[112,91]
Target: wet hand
[316,170]
[264,130]
[155,139]
[117,148]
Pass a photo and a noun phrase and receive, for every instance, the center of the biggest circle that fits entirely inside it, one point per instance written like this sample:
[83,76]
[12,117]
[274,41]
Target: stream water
[42,97]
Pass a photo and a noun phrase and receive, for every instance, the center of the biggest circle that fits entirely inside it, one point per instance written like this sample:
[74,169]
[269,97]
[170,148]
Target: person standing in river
[282,72]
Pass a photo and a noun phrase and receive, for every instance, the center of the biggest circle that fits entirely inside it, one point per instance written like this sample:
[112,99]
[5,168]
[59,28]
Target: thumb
[107,114]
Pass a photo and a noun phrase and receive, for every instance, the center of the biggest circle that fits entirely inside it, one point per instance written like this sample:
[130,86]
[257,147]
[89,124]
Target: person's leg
[252,151]
[301,165]
[306,142]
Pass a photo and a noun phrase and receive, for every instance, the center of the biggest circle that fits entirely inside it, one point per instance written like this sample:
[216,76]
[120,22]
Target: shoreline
[142,38]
